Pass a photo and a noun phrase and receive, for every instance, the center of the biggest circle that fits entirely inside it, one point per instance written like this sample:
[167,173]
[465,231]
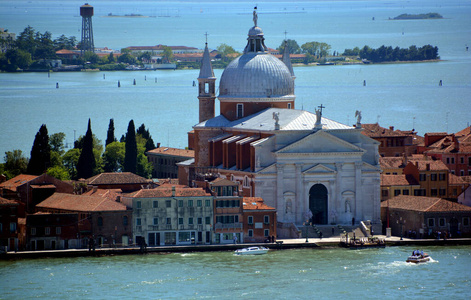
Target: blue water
[402,95]
[287,274]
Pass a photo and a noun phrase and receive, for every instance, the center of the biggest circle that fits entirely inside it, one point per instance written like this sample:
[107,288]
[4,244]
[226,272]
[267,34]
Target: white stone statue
[358,116]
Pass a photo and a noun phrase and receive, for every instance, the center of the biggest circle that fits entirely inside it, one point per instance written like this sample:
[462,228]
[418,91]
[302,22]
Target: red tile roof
[80,203]
[374,130]
[434,165]
[464,132]
[223,182]
[255,203]
[15,182]
[424,204]
[173,152]
[166,191]
[117,178]
[455,180]
[395,180]
[7,202]
[391,162]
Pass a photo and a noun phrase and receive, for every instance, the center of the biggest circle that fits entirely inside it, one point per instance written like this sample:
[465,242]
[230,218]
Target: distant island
[418,16]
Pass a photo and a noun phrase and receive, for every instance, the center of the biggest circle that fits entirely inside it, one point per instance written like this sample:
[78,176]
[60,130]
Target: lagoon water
[287,274]
[406,96]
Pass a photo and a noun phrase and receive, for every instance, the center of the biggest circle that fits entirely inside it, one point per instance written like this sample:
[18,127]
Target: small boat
[252,251]
[418,258]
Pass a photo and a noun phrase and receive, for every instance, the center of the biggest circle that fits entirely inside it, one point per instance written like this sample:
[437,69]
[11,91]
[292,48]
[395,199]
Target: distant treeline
[419,16]
[383,53]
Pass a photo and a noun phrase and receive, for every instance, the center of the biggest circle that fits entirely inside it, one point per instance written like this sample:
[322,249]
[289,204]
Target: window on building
[207,203]
[169,221]
[33,231]
[156,221]
[138,222]
[441,222]
[466,221]
[246,181]
[250,232]
[200,221]
[47,230]
[431,222]
[138,204]
[289,105]
[266,232]
[442,176]
[394,173]
[190,203]
[442,191]
[250,220]
[12,227]
[469,161]
[433,177]
[125,221]
[100,221]
[433,192]
[452,172]
[58,230]
[155,204]
[397,192]
[419,192]
[469,172]
[452,160]
[199,203]
[180,221]
[461,172]
[1,228]
[207,220]
[405,192]
[168,203]
[266,219]
[190,221]
[422,177]
[385,193]
[240,110]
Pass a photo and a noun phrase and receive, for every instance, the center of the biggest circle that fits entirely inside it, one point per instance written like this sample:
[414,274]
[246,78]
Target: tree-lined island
[418,16]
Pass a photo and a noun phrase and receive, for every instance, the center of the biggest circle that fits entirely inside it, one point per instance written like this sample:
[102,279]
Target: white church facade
[308,167]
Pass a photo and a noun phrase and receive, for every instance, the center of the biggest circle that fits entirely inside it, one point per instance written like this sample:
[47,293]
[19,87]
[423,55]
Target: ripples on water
[297,274]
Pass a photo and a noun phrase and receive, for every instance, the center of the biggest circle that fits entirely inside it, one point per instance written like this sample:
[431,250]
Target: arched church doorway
[318,203]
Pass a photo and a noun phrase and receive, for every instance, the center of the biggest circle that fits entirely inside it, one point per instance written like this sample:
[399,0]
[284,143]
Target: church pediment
[271,169]
[320,142]
[320,168]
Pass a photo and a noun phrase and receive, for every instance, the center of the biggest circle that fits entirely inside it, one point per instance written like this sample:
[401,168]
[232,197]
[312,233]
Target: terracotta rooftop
[15,182]
[374,130]
[117,178]
[111,194]
[424,204]
[456,180]
[223,182]
[80,203]
[395,180]
[165,192]
[173,152]
[4,201]
[255,203]
[434,165]
[391,162]
[464,132]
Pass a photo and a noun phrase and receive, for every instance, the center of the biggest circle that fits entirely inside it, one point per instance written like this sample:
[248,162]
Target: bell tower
[206,88]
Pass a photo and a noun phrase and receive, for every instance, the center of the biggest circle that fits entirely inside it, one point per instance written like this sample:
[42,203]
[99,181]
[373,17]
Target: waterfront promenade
[281,244]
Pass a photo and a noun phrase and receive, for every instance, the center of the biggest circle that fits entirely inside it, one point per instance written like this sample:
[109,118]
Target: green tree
[87,163]
[70,161]
[126,57]
[15,163]
[17,58]
[293,47]
[144,167]
[111,58]
[59,172]
[64,42]
[44,46]
[149,142]
[110,138]
[167,55]
[56,142]
[224,50]
[130,155]
[146,56]
[91,57]
[25,41]
[40,153]
[113,157]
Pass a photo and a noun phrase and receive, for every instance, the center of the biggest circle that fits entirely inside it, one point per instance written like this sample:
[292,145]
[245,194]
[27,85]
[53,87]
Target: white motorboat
[252,251]
[419,258]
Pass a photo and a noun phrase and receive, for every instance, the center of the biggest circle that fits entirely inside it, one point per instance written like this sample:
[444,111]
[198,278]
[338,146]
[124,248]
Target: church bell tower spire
[206,87]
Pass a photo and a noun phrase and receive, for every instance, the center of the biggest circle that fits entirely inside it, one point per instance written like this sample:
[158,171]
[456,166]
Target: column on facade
[299,199]
[333,200]
[377,201]
[358,194]
[338,196]
[279,189]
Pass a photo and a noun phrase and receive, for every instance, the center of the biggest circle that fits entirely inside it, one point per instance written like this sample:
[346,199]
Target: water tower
[86,11]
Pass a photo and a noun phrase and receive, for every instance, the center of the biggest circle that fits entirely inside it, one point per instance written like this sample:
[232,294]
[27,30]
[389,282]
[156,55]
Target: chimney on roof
[391,128]
[427,166]
[404,159]
[417,164]
[173,191]
[158,145]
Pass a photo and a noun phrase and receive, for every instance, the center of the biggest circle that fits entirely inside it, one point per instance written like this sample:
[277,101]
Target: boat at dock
[363,243]
[252,251]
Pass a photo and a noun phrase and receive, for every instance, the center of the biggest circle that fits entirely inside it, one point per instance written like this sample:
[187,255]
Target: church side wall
[202,146]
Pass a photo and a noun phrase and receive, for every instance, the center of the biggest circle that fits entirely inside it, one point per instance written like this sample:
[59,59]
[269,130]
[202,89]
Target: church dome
[256,75]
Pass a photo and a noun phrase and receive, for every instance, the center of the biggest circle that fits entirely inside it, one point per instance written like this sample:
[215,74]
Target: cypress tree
[86,163]
[40,153]
[110,138]
[130,155]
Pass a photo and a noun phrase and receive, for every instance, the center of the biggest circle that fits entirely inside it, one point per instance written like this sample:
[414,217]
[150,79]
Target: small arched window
[125,221]
[100,221]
